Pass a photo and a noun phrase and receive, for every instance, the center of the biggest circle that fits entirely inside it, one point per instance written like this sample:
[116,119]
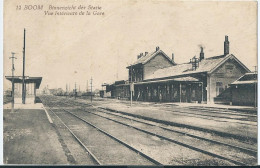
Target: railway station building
[244,90]
[31,85]
[158,78]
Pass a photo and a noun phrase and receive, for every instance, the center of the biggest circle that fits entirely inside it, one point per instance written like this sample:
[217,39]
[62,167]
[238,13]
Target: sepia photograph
[130,82]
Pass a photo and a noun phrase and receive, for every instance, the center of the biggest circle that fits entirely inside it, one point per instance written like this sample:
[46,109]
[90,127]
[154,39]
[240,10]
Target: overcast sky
[69,49]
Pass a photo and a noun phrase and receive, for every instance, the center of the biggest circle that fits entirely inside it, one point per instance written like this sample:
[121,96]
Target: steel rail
[246,150]
[117,139]
[162,137]
[223,111]
[78,140]
[209,116]
[168,139]
[206,116]
[185,110]
[177,142]
[223,134]
[249,151]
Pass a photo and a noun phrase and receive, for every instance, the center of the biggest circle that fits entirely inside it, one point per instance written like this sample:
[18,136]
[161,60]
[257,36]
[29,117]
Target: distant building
[156,77]
[46,90]
[103,92]
[31,84]
[244,90]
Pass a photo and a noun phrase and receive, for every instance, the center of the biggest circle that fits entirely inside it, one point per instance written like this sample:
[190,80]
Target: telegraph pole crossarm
[13,69]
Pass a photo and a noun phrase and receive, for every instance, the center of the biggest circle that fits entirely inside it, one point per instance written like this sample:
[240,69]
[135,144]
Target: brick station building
[158,78]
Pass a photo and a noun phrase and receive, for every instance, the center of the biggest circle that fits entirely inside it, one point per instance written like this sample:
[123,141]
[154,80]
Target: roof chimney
[146,53]
[140,55]
[226,46]
[157,48]
[201,53]
[172,57]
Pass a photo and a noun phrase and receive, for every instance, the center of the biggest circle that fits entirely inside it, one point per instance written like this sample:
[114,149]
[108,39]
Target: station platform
[29,138]
[23,106]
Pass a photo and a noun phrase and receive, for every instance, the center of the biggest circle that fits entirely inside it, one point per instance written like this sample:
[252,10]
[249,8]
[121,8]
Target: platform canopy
[19,79]
[186,79]
[180,79]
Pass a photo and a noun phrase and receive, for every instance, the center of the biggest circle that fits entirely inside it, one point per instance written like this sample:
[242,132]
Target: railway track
[182,125]
[248,151]
[213,110]
[223,134]
[223,119]
[95,158]
[222,111]
[245,150]
[221,115]
[210,114]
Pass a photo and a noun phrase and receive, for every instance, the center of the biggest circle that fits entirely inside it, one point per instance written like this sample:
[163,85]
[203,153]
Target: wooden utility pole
[91,88]
[66,90]
[131,87]
[23,85]
[255,87]
[87,86]
[13,57]
[75,91]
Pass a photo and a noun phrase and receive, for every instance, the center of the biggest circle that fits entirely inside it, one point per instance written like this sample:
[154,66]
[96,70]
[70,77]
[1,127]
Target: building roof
[19,79]
[144,59]
[206,65]
[248,78]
